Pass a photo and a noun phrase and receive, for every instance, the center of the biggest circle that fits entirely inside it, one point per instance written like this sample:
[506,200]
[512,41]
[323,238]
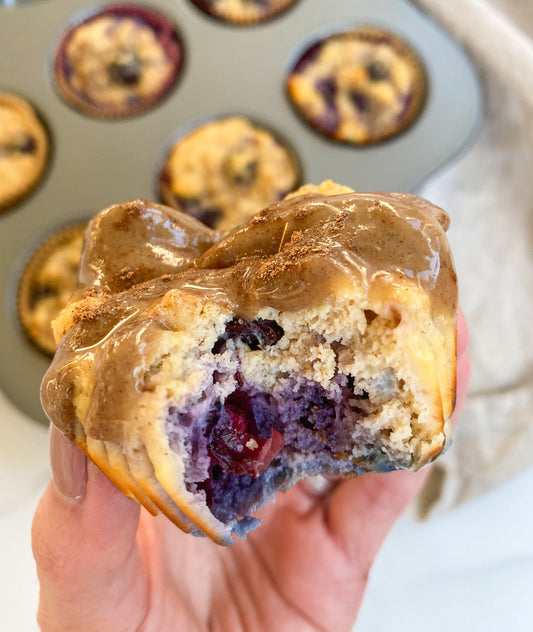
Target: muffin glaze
[384,240]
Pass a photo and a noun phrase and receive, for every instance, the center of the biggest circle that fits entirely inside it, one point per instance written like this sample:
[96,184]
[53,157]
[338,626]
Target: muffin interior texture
[264,403]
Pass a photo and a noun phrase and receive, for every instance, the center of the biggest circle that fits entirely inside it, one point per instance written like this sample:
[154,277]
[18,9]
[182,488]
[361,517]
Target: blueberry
[41,292]
[125,68]
[256,334]
[377,71]
[210,216]
[24,144]
[327,88]
[329,120]
[246,175]
[240,165]
[361,101]
[235,445]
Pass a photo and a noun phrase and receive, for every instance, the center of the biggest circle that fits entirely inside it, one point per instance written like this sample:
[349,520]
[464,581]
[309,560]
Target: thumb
[84,543]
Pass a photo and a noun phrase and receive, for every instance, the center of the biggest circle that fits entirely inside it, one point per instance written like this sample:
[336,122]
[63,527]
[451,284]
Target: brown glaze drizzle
[290,256]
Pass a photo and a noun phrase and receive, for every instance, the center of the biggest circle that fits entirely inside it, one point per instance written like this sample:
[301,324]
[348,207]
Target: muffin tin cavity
[119,61]
[228,71]
[361,86]
[243,12]
[226,170]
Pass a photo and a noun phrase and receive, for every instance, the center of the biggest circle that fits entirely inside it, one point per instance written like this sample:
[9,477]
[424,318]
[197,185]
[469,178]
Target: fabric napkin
[489,196]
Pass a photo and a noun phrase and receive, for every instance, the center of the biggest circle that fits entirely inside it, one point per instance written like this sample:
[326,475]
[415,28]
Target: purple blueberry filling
[240,450]
[235,444]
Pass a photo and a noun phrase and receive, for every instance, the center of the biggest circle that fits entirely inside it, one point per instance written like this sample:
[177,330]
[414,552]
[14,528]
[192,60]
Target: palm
[296,572]
[303,570]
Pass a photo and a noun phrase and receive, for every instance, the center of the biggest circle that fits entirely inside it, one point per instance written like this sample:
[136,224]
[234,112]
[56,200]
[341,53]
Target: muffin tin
[228,70]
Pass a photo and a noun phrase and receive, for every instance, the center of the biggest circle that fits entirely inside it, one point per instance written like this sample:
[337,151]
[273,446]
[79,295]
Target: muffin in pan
[360,86]
[24,149]
[119,61]
[243,12]
[47,283]
[225,171]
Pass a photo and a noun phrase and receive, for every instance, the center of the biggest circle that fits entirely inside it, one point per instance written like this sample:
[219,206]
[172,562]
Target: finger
[463,380]
[84,543]
[361,511]
[462,334]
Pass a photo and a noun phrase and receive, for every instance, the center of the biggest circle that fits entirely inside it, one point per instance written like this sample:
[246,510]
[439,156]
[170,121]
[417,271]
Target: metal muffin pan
[227,70]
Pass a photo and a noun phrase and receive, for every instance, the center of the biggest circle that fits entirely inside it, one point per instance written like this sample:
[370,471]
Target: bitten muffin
[47,283]
[318,338]
[359,87]
[24,149]
[118,62]
[243,12]
[225,171]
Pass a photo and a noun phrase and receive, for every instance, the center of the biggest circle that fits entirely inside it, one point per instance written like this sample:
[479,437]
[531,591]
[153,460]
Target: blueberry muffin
[24,149]
[47,283]
[359,87]
[118,62]
[318,338]
[225,171]
[243,12]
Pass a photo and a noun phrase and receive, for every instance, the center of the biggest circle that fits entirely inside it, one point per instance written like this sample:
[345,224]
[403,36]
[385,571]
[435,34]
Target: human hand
[105,564]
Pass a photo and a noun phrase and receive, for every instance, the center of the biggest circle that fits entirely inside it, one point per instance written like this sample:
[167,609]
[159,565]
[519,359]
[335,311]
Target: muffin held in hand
[24,149]
[118,62]
[359,87]
[225,171]
[204,374]
[243,12]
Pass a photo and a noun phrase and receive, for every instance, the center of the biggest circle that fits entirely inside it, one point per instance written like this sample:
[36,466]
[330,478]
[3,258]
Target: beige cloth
[489,195]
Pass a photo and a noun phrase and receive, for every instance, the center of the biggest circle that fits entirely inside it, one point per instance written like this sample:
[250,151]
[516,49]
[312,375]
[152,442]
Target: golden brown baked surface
[118,62]
[227,170]
[24,149]
[243,12]
[47,283]
[318,337]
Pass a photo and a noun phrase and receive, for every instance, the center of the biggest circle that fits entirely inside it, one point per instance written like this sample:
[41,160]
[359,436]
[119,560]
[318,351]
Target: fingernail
[69,467]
